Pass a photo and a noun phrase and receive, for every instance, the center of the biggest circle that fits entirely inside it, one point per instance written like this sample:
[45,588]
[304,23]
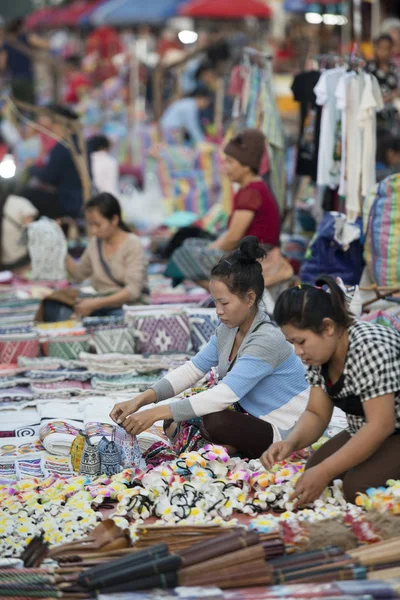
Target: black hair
[384,37]
[62,111]
[203,68]
[15,25]
[218,52]
[241,270]
[386,141]
[108,206]
[201,92]
[98,142]
[74,60]
[306,306]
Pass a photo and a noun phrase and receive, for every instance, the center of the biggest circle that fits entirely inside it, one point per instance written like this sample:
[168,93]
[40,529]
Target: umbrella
[71,15]
[226,9]
[39,17]
[125,12]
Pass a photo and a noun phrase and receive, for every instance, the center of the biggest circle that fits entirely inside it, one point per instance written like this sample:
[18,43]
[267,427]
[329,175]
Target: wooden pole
[71,127]
[219,108]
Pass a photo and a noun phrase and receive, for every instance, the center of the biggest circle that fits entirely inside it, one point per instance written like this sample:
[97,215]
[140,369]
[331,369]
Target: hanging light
[7,167]
[188,37]
[313,18]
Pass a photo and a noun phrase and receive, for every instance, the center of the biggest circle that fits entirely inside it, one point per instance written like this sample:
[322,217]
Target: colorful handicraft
[77,450]
[90,460]
[160,334]
[128,447]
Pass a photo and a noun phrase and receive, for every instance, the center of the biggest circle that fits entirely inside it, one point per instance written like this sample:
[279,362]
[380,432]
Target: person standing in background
[104,165]
[18,59]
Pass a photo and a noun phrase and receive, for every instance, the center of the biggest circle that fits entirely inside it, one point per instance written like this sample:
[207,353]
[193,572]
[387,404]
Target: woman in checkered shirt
[355,366]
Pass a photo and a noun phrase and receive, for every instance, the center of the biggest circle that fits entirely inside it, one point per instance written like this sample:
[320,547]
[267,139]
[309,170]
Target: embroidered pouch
[162,333]
[77,450]
[67,348]
[203,323]
[90,460]
[110,457]
[128,447]
[114,340]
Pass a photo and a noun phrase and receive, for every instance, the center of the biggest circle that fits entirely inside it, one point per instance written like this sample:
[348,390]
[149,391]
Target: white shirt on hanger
[371,103]
[325,94]
[341,98]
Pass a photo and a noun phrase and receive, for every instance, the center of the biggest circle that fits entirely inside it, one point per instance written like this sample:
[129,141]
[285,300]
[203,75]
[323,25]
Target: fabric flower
[213,452]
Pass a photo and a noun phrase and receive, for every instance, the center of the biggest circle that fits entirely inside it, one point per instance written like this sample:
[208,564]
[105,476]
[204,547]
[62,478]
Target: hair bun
[250,250]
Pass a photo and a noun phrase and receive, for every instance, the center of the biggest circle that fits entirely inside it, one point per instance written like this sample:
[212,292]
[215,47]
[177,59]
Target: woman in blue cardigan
[259,373]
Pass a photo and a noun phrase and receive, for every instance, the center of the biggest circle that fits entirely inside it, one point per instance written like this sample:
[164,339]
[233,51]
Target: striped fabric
[381,216]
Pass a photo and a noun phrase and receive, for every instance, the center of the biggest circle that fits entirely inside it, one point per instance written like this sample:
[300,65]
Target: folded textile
[57,432]
[13,448]
[114,340]
[28,467]
[13,381]
[54,375]
[18,392]
[13,346]
[127,383]
[67,348]
[60,388]
[59,466]
[43,363]
[133,364]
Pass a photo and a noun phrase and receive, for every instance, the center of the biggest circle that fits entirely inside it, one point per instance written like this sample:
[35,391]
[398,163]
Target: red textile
[226,9]
[75,82]
[258,198]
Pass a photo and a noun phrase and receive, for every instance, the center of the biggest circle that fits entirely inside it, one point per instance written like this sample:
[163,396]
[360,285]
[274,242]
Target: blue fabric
[326,256]
[208,357]
[19,64]
[183,114]
[260,388]
[117,12]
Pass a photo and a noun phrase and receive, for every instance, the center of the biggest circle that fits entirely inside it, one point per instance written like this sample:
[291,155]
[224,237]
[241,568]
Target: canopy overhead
[72,15]
[39,17]
[129,12]
[226,9]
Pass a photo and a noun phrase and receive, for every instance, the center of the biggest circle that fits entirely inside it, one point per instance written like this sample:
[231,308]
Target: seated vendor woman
[255,211]
[354,365]
[259,375]
[114,261]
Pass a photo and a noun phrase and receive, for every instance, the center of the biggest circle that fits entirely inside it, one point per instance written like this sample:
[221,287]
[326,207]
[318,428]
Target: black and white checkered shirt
[372,369]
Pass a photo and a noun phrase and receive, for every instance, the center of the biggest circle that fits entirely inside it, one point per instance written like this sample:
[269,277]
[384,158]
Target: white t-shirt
[325,94]
[371,103]
[16,209]
[105,172]
[341,98]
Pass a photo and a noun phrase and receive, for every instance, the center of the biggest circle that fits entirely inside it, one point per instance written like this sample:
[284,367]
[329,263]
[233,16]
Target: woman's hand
[310,485]
[276,453]
[122,410]
[85,307]
[140,421]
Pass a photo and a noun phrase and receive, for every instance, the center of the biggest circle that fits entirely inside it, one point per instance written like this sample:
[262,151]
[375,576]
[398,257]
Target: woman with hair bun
[355,366]
[259,374]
